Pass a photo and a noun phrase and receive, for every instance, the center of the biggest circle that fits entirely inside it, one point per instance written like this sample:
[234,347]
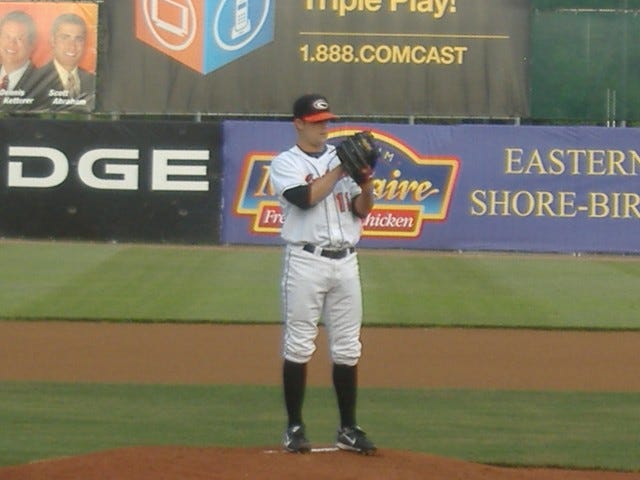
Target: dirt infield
[181,463]
[199,354]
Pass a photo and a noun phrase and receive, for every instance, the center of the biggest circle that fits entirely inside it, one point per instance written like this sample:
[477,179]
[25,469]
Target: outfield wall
[113,181]
[466,187]
[552,189]
[531,59]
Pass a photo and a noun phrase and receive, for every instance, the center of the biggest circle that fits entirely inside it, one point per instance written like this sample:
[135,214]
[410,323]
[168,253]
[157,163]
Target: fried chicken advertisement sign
[411,189]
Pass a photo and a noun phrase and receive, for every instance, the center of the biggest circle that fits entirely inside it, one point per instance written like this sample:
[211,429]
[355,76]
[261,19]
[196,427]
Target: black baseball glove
[358,154]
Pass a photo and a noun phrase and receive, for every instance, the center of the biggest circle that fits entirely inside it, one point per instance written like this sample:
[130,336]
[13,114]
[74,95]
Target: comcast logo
[205,34]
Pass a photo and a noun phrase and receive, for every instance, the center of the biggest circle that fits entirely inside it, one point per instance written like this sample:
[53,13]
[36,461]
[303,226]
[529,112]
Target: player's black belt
[323,252]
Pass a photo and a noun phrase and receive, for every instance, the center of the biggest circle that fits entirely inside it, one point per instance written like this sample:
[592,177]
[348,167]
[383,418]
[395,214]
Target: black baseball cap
[312,107]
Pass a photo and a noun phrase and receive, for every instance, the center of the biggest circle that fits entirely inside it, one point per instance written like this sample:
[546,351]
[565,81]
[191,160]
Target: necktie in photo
[5,83]
[72,87]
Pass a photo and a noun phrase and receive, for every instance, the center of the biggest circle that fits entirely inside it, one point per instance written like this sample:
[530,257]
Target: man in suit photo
[18,37]
[62,83]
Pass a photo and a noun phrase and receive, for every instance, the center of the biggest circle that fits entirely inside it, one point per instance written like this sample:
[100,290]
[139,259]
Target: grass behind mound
[571,430]
[233,284]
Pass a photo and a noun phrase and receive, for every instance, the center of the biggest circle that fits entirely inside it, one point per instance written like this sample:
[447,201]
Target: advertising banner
[374,57]
[110,181]
[502,188]
[48,56]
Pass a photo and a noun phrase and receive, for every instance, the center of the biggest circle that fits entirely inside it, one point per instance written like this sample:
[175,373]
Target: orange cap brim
[319,117]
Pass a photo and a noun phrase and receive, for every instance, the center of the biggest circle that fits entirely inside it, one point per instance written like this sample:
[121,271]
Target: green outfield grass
[84,281]
[583,430]
[229,284]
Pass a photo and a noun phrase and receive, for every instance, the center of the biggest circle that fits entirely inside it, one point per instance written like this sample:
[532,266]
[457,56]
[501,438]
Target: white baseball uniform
[321,277]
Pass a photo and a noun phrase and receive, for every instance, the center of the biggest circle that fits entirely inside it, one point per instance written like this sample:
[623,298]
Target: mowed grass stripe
[158,284]
[502,291]
[231,284]
[33,270]
[587,430]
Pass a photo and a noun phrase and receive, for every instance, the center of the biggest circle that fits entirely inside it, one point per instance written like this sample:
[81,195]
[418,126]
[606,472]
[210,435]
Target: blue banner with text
[464,187]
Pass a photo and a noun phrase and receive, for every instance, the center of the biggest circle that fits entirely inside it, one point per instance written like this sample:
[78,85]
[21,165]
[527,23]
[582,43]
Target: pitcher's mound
[186,463]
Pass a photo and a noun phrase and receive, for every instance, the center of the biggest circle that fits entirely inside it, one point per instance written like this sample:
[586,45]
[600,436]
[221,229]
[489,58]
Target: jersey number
[343,200]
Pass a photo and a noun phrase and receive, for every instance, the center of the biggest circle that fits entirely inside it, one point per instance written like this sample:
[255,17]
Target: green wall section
[604,4]
[585,65]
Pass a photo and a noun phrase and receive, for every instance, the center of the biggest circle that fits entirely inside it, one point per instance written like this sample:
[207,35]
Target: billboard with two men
[48,56]
[382,57]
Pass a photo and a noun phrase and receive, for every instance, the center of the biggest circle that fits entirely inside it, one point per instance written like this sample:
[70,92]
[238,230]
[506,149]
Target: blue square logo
[234,28]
